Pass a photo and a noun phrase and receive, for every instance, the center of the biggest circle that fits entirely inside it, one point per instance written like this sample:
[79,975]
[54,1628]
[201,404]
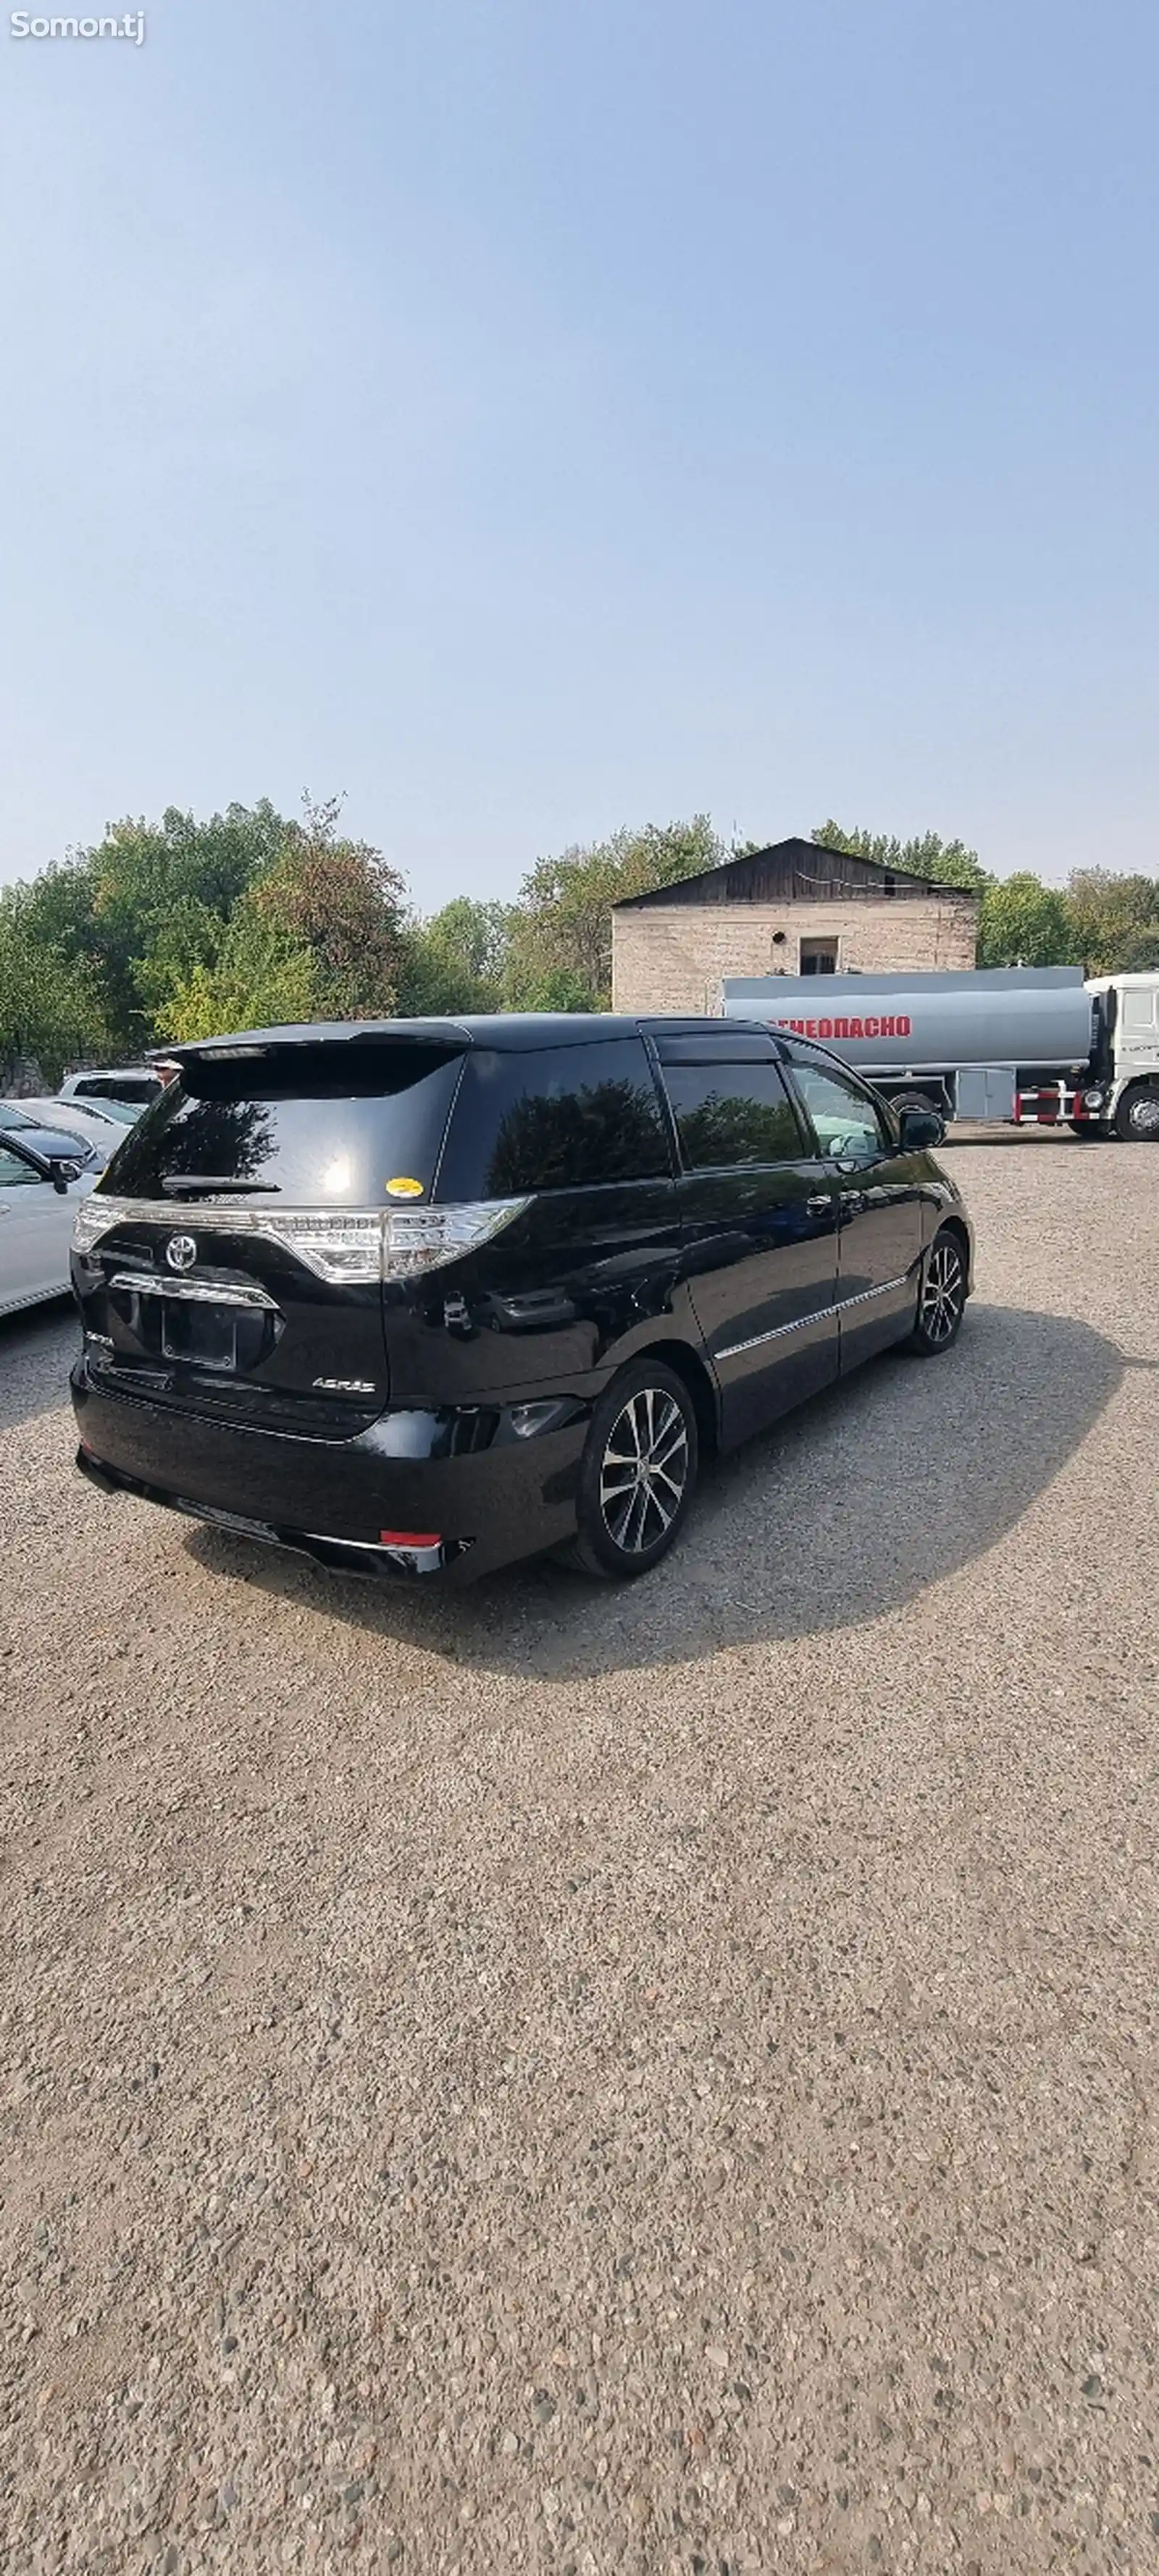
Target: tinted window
[561,1120]
[141,1087]
[319,1126]
[730,1114]
[844,1116]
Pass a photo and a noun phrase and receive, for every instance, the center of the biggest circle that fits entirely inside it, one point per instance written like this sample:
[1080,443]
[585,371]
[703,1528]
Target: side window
[560,1118]
[732,1114]
[15,1173]
[1139,1010]
[845,1118]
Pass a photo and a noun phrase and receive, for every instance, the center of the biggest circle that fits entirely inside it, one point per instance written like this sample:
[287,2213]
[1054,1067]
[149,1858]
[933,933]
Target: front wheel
[1137,1115]
[941,1298]
[637,1473]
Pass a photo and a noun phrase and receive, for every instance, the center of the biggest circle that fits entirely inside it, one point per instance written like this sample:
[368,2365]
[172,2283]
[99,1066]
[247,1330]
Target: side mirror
[920,1128]
[62,1173]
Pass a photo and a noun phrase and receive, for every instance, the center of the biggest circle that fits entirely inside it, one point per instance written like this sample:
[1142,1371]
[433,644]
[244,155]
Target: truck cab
[1125,1097]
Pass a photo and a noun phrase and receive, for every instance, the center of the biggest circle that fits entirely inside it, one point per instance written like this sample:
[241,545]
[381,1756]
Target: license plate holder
[201,1335]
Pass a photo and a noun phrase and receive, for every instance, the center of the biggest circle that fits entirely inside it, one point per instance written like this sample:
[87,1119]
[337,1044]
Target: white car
[38,1202]
[135,1084]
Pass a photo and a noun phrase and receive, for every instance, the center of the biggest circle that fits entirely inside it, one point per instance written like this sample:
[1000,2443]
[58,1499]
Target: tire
[626,1524]
[1136,1119]
[941,1297]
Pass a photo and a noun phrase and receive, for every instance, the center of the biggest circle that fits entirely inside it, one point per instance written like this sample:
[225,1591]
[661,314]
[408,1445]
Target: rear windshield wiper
[176,1183]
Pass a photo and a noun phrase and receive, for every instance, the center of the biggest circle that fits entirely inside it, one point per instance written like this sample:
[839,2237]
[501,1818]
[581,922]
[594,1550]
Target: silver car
[100,1130]
[38,1203]
[50,1130]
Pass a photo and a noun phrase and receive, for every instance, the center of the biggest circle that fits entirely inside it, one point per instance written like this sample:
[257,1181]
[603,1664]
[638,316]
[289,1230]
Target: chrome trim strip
[220,1212]
[821,1315]
[864,1294]
[143,1284]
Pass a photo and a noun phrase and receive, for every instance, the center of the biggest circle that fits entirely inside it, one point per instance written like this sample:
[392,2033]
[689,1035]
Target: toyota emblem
[181,1252]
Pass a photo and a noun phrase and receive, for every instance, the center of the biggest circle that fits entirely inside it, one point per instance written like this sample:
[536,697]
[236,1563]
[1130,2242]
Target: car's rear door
[237,1270]
[759,1217]
[880,1201]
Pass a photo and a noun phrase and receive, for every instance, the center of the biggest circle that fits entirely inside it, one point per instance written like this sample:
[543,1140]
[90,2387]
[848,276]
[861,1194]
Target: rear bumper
[410,1472]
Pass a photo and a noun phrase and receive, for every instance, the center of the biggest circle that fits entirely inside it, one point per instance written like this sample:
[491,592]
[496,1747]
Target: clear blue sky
[533,416]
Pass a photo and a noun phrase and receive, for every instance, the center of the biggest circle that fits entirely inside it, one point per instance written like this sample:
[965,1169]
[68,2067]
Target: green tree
[341,901]
[1025,923]
[926,855]
[561,931]
[457,960]
[1109,915]
[1139,954]
[318,933]
[50,1004]
[559,988]
[259,978]
[148,903]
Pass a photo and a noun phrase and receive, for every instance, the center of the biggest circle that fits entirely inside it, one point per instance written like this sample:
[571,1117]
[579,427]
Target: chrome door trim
[820,1315]
[193,1290]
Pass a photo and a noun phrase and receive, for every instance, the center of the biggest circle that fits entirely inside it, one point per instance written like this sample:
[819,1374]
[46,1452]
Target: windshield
[315,1126]
[106,1113]
[118,1090]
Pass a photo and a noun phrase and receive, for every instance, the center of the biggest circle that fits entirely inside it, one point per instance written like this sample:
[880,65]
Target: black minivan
[428,1295]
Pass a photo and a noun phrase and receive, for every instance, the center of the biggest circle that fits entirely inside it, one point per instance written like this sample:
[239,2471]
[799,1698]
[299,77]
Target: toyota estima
[430,1295]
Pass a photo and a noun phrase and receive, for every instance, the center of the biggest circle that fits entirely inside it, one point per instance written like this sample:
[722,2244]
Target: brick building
[793,909]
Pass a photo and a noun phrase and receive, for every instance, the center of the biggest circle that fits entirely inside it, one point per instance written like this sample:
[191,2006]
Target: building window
[818,957]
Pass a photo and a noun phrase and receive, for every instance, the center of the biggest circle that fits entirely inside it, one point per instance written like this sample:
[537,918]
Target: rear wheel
[637,1473]
[941,1298]
[1137,1115]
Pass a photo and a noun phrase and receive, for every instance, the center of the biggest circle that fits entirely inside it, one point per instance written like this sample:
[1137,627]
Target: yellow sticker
[404,1189]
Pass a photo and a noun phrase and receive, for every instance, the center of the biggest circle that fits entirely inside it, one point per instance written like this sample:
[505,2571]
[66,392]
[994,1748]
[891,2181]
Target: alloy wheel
[644,1470]
[943,1293]
[1145,1113]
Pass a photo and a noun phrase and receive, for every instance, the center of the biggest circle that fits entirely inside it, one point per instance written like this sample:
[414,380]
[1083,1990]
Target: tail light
[426,1238]
[343,1244]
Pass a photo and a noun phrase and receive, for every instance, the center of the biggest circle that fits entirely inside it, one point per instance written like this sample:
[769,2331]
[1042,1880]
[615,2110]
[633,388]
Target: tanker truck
[1016,1045]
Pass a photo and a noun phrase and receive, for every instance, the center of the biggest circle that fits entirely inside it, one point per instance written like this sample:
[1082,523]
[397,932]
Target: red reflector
[410,1538]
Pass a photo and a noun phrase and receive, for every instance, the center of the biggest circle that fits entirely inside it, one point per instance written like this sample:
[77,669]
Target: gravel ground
[663,2082]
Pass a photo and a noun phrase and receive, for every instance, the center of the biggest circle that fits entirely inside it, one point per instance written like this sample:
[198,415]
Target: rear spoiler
[167,1061]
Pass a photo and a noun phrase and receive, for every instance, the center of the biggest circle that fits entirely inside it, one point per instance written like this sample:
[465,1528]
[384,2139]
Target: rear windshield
[139,1087]
[317,1126]
[560,1118]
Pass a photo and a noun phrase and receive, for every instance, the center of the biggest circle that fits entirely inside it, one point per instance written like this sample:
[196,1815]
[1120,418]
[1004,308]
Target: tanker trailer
[1021,1045]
